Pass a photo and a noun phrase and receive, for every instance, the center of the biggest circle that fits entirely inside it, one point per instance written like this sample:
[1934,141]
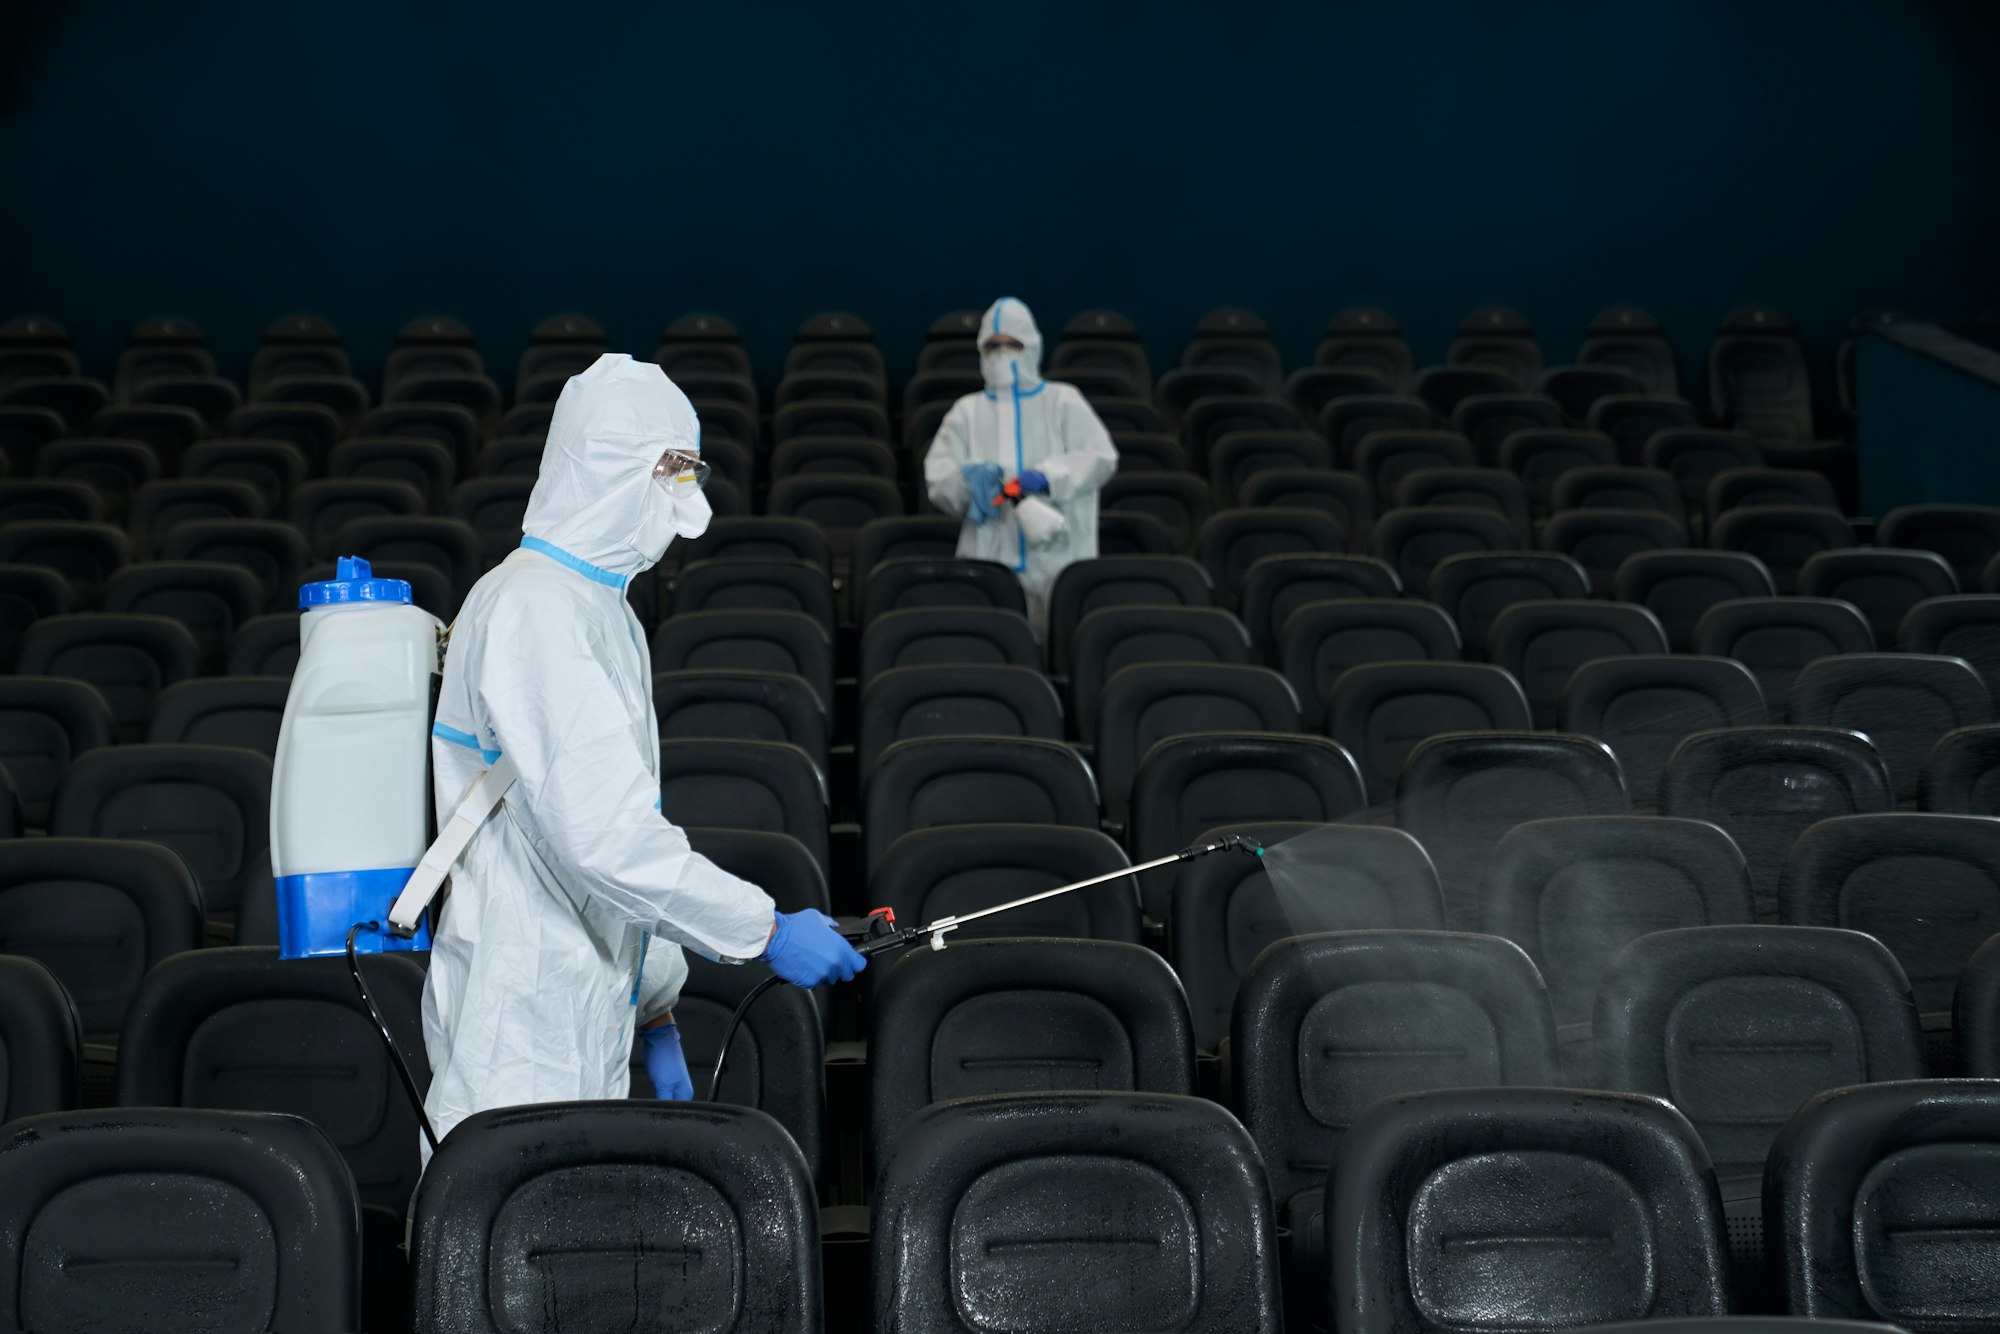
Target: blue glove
[807,951]
[667,1063]
[1034,484]
[983,482]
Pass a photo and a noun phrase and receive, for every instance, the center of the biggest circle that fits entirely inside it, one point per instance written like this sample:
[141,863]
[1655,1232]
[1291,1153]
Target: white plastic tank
[350,794]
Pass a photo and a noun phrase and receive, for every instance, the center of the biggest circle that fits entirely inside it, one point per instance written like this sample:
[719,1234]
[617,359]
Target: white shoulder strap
[438,859]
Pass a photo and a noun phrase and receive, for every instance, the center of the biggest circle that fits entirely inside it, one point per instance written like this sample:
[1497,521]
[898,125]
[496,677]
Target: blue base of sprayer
[316,911]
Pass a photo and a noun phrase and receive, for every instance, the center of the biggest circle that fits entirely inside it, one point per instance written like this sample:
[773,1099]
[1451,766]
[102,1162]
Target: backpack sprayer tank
[350,791]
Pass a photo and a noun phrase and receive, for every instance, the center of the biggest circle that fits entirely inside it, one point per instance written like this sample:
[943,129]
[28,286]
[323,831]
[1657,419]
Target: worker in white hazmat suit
[1031,445]
[563,929]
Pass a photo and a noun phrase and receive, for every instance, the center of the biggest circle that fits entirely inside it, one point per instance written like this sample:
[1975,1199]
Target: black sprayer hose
[729,1031]
[395,1052]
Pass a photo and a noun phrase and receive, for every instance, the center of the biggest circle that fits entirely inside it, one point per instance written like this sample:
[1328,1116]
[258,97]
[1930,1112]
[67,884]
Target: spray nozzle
[1227,843]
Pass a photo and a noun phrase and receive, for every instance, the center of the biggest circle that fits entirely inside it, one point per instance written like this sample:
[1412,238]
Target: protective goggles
[676,466]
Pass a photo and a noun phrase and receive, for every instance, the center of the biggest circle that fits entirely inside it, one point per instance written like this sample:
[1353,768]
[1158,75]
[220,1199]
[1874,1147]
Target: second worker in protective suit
[1022,461]
[568,911]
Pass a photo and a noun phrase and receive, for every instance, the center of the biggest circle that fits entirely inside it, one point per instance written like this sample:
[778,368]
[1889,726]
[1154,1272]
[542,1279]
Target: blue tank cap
[353,581]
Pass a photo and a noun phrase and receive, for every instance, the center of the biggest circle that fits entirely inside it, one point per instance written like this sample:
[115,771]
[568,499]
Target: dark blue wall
[377,159]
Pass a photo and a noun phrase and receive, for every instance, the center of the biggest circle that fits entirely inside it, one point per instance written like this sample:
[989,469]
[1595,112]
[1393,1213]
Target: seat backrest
[778,864]
[1927,886]
[1383,711]
[1180,501]
[138,896]
[1478,488]
[1965,627]
[1321,640]
[1085,586]
[1416,541]
[944,871]
[266,645]
[129,657]
[1459,793]
[1884,584]
[1310,878]
[769,584]
[1645,705]
[929,781]
[227,1219]
[1229,543]
[1903,702]
[1473,587]
[765,785]
[1784,537]
[1776,636]
[760,641]
[1086,1210]
[210,804]
[27,593]
[225,711]
[1343,496]
[1559,1207]
[274,552]
[1967,536]
[1541,455]
[1768,486]
[742,706]
[1962,775]
[45,723]
[1574,891]
[757,538]
[777,1061]
[1276,586]
[928,581]
[1602,540]
[1680,586]
[1767,785]
[1114,638]
[1385,458]
[962,700]
[1619,489]
[41,1041]
[1696,456]
[206,598]
[1880,1205]
[1347,420]
[242,1029]
[1023,1015]
[1149,702]
[1740,1025]
[701,1216]
[939,636]
[1327,1024]
[1488,419]
[1543,642]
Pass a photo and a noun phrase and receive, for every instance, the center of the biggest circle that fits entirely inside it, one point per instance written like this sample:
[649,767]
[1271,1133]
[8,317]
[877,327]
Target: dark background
[378,159]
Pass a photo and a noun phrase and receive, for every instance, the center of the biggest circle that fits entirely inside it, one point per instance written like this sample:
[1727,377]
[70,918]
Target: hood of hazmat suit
[566,917]
[1023,423]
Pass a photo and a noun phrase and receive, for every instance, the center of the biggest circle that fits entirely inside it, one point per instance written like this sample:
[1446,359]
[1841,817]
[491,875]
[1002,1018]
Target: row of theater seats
[958,743]
[1005,1073]
[1756,368]
[1218,415]
[1682,485]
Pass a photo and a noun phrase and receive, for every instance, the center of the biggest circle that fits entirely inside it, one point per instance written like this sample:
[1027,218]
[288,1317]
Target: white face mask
[672,507]
[1000,366]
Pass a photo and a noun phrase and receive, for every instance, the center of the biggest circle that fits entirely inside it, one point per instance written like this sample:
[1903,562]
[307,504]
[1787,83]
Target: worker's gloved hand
[982,483]
[807,951]
[1034,484]
[666,1063]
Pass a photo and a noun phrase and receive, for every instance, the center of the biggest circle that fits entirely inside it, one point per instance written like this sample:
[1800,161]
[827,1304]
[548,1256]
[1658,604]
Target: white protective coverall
[1023,423]
[540,967]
